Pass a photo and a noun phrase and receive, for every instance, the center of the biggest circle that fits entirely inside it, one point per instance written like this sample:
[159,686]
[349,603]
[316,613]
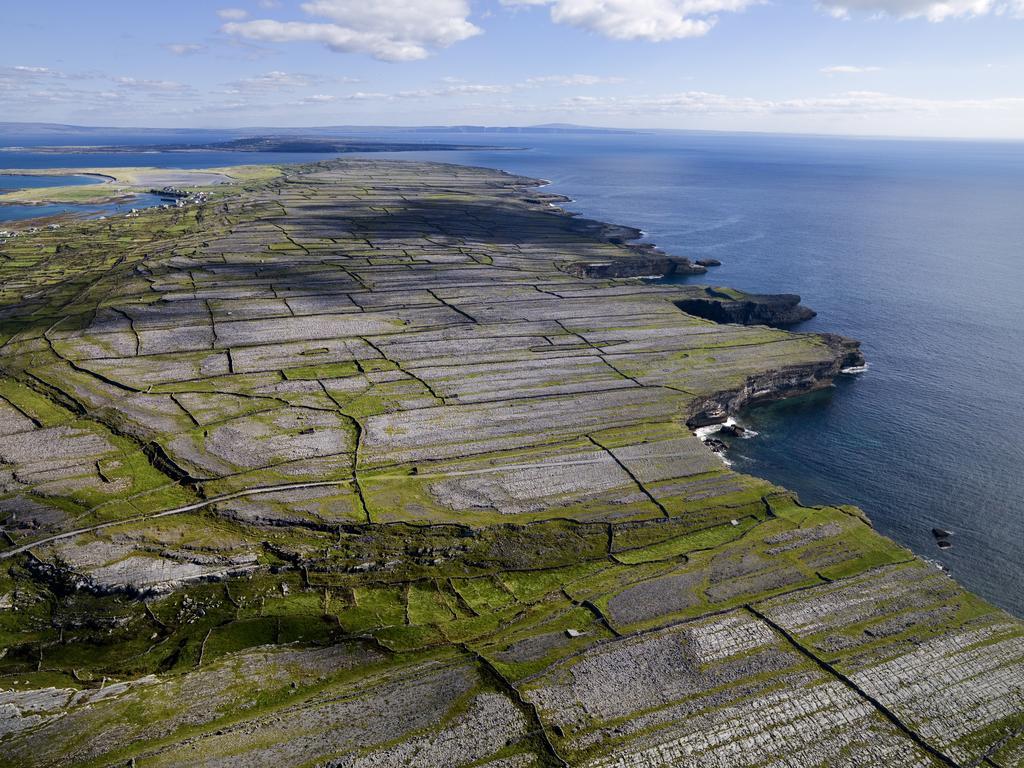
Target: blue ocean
[914,247]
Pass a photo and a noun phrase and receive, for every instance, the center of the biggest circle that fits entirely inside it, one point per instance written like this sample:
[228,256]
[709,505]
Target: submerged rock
[716,445]
[708,262]
[733,430]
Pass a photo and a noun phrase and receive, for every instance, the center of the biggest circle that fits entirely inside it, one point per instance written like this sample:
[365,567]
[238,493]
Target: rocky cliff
[642,264]
[730,306]
[783,382]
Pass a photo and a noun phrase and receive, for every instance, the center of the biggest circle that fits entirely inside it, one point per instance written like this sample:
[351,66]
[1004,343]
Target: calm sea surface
[914,247]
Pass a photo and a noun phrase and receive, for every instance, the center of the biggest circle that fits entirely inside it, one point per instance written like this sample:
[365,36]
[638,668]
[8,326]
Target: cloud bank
[933,11]
[651,20]
[390,30]
[848,69]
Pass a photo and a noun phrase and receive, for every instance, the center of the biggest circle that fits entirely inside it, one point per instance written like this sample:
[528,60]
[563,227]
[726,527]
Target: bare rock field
[371,463]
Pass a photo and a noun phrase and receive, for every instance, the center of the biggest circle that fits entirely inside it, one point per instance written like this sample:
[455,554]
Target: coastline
[120,187]
[117,186]
[772,386]
[107,178]
[917,476]
[520,511]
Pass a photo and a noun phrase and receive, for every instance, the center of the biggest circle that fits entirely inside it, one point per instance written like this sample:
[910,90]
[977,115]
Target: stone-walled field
[352,467]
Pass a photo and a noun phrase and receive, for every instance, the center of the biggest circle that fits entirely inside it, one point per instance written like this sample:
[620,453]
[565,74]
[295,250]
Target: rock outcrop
[642,265]
[789,381]
[730,306]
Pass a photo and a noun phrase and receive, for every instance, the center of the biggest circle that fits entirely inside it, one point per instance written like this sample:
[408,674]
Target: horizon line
[565,127]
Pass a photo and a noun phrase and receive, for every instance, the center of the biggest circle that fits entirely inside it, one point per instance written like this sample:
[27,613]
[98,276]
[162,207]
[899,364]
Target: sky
[855,67]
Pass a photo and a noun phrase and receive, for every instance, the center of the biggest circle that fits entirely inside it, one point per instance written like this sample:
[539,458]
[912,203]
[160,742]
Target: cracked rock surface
[376,463]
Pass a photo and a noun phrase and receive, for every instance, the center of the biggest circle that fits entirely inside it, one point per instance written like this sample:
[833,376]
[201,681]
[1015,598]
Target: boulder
[716,445]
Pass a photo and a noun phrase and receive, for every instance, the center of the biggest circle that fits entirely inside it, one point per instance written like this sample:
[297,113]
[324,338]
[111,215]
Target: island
[285,144]
[366,463]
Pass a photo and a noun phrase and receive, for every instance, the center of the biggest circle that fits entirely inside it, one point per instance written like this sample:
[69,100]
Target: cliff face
[643,264]
[730,306]
[786,381]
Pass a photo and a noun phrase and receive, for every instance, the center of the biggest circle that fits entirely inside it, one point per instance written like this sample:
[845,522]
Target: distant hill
[303,143]
[547,128]
[8,129]
[59,129]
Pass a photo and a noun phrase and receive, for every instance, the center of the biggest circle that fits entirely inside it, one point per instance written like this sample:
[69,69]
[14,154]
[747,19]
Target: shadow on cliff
[448,223]
[485,221]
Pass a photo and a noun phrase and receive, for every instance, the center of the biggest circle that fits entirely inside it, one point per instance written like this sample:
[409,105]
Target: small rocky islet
[370,464]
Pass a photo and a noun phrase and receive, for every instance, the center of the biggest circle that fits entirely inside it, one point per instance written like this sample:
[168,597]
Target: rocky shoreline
[789,381]
[720,305]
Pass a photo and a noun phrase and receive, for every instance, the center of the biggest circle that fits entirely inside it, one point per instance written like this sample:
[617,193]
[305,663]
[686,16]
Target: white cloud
[574,80]
[457,89]
[154,86]
[185,49]
[391,30]
[454,90]
[652,20]
[928,9]
[24,72]
[43,86]
[233,14]
[273,81]
[848,103]
[330,98]
[34,71]
[325,98]
[847,69]
[454,87]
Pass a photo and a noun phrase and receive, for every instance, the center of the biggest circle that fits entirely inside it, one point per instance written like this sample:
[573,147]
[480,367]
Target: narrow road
[262,489]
